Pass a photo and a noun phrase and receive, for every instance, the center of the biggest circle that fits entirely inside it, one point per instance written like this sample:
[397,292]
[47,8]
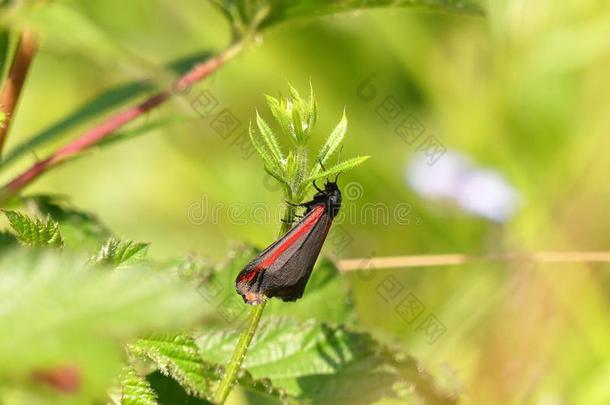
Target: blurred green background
[523,91]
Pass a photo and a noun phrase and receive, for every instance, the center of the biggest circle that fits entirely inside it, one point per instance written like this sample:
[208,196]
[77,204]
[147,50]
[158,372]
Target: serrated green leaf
[177,356]
[135,390]
[294,93]
[331,145]
[297,117]
[282,116]
[120,252]
[303,114]
[35,232]
[62,311]
[317,362]
[297,125]
[339,168]
[313,107]
[79,229]
[269,161]
[169,391]
[270,140]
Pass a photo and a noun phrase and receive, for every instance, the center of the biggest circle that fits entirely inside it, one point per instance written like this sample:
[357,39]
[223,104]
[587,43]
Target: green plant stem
[239,354]
[241,349]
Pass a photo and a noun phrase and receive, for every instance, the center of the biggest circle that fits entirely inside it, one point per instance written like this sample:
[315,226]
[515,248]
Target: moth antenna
[316,186]
[324,169]
[337,176]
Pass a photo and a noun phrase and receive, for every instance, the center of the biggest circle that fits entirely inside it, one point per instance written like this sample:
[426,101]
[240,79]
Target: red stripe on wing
[301,229]
[249,276]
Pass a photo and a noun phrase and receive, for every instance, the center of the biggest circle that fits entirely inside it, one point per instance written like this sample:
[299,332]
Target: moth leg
[293,221]
[305,205]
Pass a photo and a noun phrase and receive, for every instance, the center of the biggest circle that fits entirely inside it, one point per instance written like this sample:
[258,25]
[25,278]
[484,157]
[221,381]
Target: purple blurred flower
[482,192]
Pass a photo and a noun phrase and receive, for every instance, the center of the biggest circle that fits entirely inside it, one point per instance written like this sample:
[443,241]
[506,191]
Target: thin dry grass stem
[396,262]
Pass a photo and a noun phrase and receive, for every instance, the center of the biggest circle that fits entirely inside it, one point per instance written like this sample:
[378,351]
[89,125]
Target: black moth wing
[283,269]
[287,274]
[286,279]
[265,253]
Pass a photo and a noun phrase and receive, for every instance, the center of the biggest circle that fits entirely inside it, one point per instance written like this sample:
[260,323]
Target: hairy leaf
[64,312]
[35,232]
[135,390]
[80,230]
[177,357]
[339,168]
[169,391]
[117,252]
[312,108]
[331,145]
[296,117]
[282,116]
[321,363]
[270,140]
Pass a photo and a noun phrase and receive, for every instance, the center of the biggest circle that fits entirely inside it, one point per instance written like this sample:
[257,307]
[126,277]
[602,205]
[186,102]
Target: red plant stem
[109,127]
[11,89]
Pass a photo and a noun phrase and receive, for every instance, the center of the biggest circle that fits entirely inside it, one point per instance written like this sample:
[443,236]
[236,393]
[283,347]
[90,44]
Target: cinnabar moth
[282,270]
